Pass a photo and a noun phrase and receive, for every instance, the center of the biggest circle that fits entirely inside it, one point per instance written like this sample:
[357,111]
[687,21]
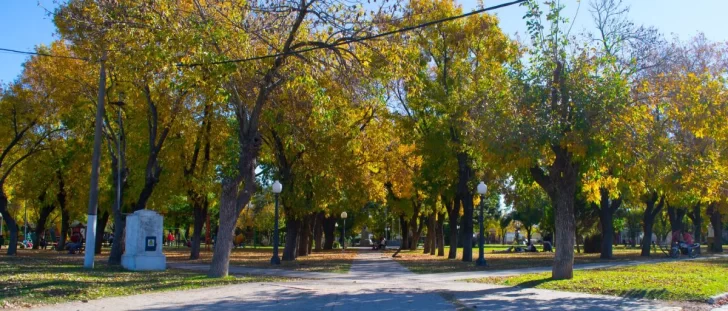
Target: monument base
[144,263]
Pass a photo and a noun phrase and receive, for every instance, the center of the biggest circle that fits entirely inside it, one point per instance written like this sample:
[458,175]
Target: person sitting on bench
[547,246]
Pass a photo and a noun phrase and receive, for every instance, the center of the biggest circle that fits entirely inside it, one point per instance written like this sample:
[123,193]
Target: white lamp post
[343,230]
[482,189]
[275,260]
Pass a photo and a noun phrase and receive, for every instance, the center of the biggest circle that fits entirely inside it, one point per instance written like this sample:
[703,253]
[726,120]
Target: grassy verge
[45,277]
[417,262]
[680,280]
[333,261]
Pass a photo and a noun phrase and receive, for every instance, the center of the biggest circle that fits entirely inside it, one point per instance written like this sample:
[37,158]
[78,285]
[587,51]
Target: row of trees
[208,102]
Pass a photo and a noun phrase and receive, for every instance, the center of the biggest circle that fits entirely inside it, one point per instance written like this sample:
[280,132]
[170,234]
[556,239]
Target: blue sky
[26,25]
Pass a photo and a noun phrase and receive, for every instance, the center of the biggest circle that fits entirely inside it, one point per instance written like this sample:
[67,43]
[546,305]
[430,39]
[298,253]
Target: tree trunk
[100,229]
[453,215]
[717,224]
[560,184]
[430,234]
[416,226]
[465,194]
[40,226]
[433,236]
[10,222]
[229,212]
[117,245]
[676,216]
[697,223]
[648,221]
[236,194]
[304,236]
[606,209]
[404,228]
[65,226]
[329,226]
[199,211]
[440,234]
[292,228]
[318,231]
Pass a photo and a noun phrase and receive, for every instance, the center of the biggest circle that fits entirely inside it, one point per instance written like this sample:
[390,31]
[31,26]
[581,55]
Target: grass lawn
[325,261]
[680,280]
[418,262]
[45,277]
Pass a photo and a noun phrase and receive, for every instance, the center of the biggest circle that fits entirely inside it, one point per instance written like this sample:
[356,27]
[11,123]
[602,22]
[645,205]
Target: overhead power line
[349,41]
[40,54]
[355,40]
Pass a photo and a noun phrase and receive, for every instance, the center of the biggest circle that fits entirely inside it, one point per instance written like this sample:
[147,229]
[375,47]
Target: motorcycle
[678,248]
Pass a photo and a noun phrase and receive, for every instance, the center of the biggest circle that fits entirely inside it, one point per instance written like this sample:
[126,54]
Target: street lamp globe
[343,215]
[482,188]
[277,187]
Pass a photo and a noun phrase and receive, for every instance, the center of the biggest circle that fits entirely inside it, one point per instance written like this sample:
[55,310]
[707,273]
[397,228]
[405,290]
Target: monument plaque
[142,252]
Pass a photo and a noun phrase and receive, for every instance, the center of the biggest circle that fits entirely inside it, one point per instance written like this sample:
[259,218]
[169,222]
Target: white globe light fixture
[277,187]
[482,188]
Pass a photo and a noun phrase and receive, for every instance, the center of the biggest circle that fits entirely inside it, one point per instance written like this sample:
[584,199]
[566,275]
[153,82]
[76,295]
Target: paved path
[375,282]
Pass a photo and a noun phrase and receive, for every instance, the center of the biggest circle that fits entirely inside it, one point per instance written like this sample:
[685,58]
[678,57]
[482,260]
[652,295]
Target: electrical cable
[355,40]
[41,54]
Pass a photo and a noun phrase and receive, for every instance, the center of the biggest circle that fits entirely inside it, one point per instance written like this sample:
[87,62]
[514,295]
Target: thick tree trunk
[318,231]
[416,226]
[430,234]
[440,234]
[432,225]
[717,224]
[100,229]
[10,222]
[697,223]
[453,215]
[648,221]
[236,194]
[564,239]
[465,194]
[676,215]
[606,209]
[560,184]
[229,211]
[606,219]
[40,226]
[199,211]
[292,228]
[117,245]
[404,228]
[149,185]
[304,237]
[329,228]
[65,225]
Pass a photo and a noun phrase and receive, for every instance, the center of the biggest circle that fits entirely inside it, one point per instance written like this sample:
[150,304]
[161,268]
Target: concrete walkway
[375,282]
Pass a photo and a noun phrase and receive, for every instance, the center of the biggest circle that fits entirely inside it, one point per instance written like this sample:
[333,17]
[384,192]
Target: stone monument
[143,246]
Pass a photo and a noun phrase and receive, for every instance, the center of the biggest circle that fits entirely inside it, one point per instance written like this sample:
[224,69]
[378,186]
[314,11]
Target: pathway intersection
[374,282]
